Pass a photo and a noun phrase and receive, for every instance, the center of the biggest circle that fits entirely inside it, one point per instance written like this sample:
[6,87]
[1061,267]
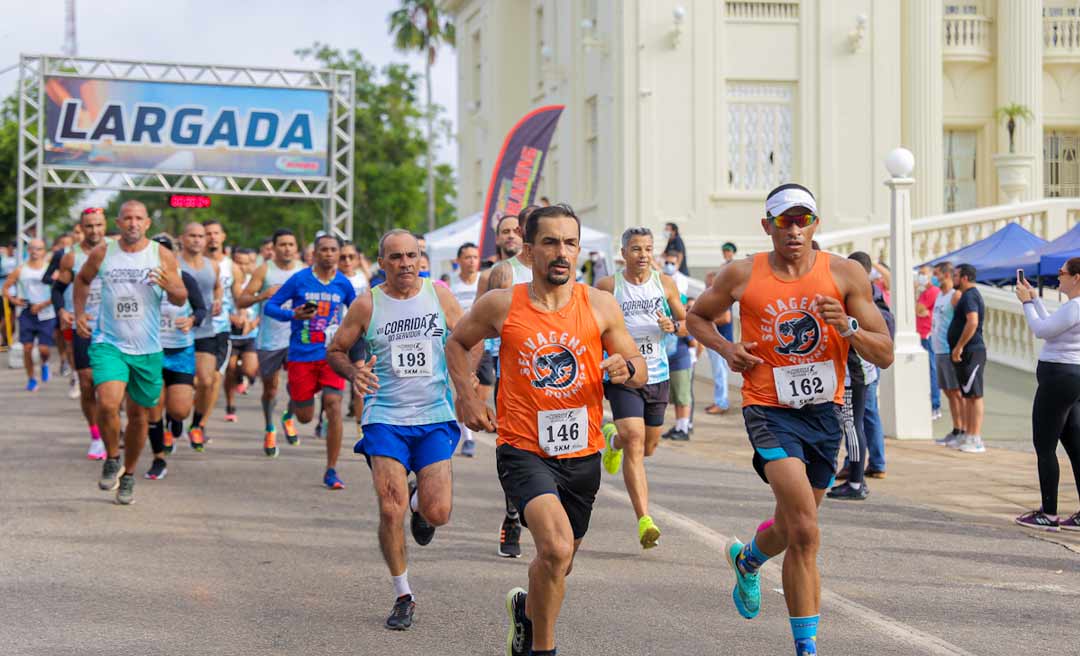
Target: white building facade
[689,111]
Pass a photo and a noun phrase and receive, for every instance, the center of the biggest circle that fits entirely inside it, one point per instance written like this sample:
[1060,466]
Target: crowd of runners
[156,326]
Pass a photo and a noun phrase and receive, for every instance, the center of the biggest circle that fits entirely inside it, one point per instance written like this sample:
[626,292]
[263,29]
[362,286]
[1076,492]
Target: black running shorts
[525,475]
[218,345]
[969,372]
[649,402]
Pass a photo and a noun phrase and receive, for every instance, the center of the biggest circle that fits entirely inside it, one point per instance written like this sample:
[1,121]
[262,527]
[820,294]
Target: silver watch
[853,327]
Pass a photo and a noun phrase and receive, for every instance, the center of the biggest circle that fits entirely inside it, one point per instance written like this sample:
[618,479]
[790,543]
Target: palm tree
[1012,112]
[416,26]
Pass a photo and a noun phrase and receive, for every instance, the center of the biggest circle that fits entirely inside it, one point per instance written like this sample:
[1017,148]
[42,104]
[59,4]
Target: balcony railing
[1061,39]
[967,38]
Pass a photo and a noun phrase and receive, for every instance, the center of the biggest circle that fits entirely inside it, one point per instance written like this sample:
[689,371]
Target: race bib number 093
[803,384]
[127,308]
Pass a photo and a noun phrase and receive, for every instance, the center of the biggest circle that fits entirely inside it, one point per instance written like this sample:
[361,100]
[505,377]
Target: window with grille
[1061,175]
[961,190]
[592,148]
[760,134]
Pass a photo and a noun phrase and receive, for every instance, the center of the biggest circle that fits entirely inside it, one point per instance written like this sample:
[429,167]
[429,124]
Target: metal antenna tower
[71,44]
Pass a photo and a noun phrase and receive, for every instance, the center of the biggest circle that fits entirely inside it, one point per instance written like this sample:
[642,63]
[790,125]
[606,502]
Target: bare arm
[617,342]
[971,323]
[352,329]
[168,277]
[483,320]
[674,299]
[450,306]
[249,295]
[219,291]
[12,279]
[606,284]
[83,279]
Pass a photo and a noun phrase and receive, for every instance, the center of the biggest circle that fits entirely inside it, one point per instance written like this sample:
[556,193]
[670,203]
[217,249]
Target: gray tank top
[206,279]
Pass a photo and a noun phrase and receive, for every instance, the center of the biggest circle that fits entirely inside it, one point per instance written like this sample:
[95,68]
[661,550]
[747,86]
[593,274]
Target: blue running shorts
[415,447]
[812,434]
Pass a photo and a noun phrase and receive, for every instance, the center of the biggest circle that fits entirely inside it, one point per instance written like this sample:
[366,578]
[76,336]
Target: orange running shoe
[289,424]
[168,442]
[270,444]
[195,435]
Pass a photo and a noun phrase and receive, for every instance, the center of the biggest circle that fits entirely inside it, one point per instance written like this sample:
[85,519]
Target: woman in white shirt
[1055,416]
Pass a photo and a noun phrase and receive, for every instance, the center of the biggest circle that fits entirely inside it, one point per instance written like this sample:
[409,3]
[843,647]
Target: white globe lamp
[900,163]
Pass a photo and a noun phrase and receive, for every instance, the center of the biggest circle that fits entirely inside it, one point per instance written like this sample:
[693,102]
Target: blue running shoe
[44,373]
[330,479]
[747,590]
[806,647]
[468,448]
[31,385]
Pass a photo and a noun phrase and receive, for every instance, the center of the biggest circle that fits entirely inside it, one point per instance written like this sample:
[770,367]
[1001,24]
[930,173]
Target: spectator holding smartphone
[1055,415]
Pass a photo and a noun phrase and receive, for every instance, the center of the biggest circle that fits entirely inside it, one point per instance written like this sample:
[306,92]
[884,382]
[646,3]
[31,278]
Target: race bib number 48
[411,358]
[563,431]
[803,384]
[127,308]
[649,349]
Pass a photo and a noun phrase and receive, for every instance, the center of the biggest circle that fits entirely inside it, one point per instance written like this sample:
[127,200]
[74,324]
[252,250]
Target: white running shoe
[97,450]
[956,440]
[972,444]
[73,390]
[935,415]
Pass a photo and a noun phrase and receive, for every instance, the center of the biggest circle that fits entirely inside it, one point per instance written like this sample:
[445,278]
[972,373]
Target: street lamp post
[905,387]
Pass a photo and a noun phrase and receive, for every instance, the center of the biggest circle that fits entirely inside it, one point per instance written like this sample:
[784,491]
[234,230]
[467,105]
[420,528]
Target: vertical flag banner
[513,181]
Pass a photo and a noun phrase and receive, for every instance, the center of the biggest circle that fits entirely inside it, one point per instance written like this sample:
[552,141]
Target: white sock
[683,424]
[414,502]
[854,486]
[466,432]
[401,584]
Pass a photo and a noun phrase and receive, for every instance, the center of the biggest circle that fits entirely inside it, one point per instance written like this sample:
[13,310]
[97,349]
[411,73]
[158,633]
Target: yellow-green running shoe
[648,533]
[612,456]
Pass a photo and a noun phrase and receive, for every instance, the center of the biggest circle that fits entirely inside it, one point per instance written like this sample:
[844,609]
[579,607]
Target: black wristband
[631,370]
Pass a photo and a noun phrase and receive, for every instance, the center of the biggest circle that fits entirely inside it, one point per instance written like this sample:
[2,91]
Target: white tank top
[222,324]
[33,290]
[130,313]
[464,292]
[171,337]
[639,304]
[273,334]
[358,281]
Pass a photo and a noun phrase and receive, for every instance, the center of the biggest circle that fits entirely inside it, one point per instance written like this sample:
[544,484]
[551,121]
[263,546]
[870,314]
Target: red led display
[197,202]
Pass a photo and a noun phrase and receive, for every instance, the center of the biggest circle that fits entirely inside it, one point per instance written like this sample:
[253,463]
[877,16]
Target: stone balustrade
[1061,39]
[967,38]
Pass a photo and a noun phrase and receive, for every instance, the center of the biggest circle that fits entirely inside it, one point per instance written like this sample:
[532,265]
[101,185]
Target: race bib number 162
[803,384]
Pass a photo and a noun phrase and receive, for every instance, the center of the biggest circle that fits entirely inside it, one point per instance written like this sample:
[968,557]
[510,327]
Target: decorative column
[1019,80]
[922,84]
[905,386]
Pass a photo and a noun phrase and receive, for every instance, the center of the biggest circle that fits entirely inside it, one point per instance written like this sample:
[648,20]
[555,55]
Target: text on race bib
[648,348]
[803,384]
[411,358]
[127,308]
[563,431]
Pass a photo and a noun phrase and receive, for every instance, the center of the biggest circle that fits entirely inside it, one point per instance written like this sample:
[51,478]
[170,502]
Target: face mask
[425,274]
[667,234]
[922,280]
[669,268]
[935,282]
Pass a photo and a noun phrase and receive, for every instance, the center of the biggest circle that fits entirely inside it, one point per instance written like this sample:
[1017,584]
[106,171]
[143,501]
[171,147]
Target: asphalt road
[237,554]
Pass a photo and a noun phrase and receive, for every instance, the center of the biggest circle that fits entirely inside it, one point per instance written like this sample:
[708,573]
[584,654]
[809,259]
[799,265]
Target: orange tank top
[551,389]
[805,358]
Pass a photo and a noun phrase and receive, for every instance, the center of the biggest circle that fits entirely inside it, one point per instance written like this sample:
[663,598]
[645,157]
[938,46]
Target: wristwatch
[853,327]
[631,369]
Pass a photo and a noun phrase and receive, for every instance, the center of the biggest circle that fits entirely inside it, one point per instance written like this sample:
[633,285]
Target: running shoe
[168,441]
[612,458]
[96,450]
[230,414]
[519,638]
[44,373]
[679,436]
[270,444]
[288,424]
[65,369]
[242,387]
[31,385]
[468,448]
[972,444]
[956,440]
[1039,520]
[875,473]
[402,613]
[1070,524]
[125,492]
[845,492]
[648,533]
[330,479]
[747,590]
[806,647]
[157,470]
[110,474]
[197,438]
[948,440]
[935,414]
[422,531]
[319,429]
[667,434]
[73,388]
[510,538]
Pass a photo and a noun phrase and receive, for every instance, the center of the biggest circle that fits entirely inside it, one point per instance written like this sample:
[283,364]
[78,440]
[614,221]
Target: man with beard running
[166,422]
[209,345]
[801,310]
[409,423]
[550,403]
[318,297]
[92,222]
[272,342]
[513,269]
[652,310]
[125,353]
[463,285]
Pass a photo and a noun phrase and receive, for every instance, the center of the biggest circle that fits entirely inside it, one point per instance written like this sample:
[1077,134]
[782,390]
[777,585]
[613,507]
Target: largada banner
[513,182]
[186,128]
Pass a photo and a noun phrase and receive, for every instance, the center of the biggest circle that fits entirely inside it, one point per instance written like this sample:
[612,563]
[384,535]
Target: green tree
[417,26]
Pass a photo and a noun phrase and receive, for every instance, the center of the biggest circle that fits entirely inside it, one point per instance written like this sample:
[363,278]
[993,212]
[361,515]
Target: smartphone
[1020,276]
[311,305]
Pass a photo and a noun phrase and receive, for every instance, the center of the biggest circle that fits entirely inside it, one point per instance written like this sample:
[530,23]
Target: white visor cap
[785,199]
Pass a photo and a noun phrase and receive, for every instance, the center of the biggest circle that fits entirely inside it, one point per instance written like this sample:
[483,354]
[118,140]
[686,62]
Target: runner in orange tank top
[554,332]
[801,310]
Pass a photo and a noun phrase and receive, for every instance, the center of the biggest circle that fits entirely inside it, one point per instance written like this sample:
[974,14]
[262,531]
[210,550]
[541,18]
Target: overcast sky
[245,32]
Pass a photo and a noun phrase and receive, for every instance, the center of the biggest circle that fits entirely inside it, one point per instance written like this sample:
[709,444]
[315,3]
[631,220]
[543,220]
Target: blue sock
[751,558]
[804,631]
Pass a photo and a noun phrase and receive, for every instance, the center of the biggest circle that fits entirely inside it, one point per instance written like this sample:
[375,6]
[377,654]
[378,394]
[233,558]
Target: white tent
[442,244]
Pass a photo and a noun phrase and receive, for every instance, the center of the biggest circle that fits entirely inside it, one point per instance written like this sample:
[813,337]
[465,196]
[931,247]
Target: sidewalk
[994,487]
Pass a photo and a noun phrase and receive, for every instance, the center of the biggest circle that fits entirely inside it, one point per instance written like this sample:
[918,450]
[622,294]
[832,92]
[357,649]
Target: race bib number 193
[411,359]
[563,431]
[803,384]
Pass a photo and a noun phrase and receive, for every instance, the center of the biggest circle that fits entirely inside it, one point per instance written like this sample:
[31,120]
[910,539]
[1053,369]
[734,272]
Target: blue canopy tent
[1010,243]
[1043,262]
[1064,247]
